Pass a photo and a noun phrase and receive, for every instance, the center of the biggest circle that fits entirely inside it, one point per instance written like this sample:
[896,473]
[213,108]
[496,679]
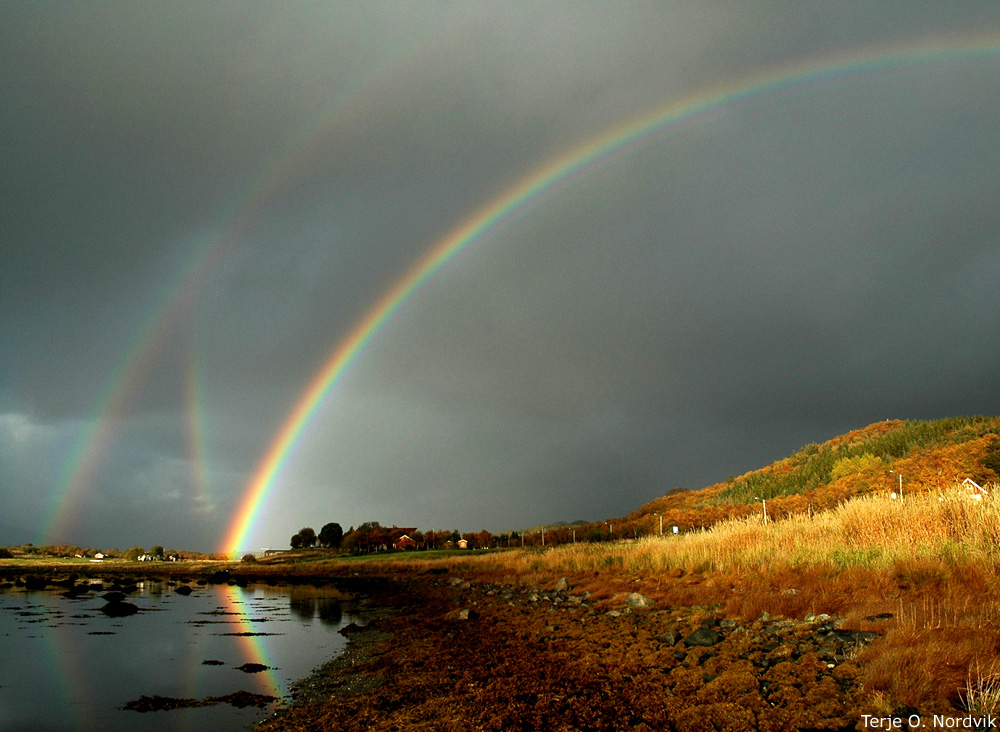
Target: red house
[404,542]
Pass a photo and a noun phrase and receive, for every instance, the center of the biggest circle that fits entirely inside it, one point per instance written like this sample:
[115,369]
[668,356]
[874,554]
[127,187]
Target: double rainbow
[530,191]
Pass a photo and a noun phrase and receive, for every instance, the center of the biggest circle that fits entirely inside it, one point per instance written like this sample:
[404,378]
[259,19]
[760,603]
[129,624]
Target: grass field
[930,562]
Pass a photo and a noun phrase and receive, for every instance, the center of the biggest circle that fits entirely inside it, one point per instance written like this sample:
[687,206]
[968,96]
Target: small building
[405,542]
[975,491]
[463,544]
[275,552]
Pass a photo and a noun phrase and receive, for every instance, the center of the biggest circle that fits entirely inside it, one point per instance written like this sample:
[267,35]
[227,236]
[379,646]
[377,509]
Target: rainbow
[171,308]
[253,647]
[531,190]
[149,343]
[193,435]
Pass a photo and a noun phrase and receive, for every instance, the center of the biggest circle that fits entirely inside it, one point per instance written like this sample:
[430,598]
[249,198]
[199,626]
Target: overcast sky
[200,200]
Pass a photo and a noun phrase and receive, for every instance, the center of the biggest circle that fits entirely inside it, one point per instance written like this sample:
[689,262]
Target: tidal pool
[67,667]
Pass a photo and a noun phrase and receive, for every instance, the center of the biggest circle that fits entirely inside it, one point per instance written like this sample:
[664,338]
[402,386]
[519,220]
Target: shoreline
[500,651]
[448,653]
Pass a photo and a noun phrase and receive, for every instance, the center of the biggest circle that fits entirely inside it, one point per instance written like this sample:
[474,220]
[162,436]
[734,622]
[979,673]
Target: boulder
[464,613]
[637,600]
[119,609]
[35,583]
[563,585]
[671,638]
[703,637]
[183,590]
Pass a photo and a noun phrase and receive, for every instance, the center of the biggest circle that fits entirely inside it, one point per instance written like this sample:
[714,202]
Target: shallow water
[66,667]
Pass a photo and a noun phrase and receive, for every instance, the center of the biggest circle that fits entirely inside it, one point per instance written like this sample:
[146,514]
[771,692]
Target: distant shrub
[5,553]
[853,465]
[249,559]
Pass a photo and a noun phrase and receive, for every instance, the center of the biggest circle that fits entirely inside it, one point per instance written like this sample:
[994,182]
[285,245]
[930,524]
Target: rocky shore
[446,653]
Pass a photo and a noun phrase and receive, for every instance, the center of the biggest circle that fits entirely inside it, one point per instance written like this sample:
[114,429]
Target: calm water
[65,666]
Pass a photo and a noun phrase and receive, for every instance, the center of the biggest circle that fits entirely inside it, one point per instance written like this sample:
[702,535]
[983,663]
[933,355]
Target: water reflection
[67,667]
[308,605]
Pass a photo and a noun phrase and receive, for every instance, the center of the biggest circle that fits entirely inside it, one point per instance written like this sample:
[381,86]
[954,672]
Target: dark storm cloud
[802,264]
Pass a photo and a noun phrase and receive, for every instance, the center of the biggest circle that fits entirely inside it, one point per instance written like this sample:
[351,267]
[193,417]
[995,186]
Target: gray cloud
[801,263]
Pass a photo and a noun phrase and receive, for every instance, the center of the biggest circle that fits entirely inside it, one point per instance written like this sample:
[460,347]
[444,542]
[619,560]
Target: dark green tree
[156,552]
[296,541]
[331,535]
[308,537]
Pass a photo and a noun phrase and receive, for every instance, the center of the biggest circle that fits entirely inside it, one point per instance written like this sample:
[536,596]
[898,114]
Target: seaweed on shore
[158,703]
[253,668]
[239,699]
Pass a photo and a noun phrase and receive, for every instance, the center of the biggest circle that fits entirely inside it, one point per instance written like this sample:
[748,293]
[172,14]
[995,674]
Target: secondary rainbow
[674,116]
[171,310]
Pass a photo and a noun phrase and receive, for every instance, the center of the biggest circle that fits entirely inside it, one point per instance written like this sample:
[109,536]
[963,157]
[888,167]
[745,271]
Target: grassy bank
[922,572]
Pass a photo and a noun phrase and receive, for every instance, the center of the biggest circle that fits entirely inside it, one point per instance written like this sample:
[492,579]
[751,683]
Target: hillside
[930,455]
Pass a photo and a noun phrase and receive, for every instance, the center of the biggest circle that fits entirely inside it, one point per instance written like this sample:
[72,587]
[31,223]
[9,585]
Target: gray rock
[563,585]
[703,637]
[463,614]
[639,601]
[670,638]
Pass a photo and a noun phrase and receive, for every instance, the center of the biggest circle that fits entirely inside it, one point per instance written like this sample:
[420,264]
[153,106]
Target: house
[463,544]
[404,542]
[400,537]
[275,552]
[975,491]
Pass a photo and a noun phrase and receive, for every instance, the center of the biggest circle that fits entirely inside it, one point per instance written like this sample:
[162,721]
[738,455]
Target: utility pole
[900,484]
[763,502]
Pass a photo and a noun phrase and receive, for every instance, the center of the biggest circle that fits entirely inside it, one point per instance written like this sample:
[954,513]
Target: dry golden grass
[871,532]
[931,561]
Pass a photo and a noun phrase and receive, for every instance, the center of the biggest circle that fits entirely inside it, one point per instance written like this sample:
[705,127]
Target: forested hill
[932,455]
